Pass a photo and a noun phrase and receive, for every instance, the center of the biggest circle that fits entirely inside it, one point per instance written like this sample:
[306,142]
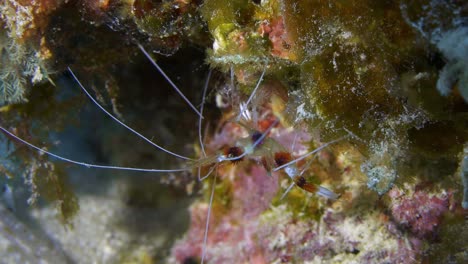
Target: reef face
[388,79]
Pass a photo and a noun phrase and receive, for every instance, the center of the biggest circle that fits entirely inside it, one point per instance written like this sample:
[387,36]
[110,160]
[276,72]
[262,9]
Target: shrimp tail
[327,193]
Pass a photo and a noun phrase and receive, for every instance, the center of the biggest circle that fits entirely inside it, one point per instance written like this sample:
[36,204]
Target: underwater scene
[241,131]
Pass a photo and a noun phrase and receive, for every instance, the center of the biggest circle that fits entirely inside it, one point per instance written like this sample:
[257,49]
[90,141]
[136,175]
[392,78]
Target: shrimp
[282,159]
[263,149]
[270,152]
[273,154]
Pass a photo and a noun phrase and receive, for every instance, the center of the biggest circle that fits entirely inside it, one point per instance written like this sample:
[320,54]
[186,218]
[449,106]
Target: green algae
[218,13]
[46,180]
[359,72]
[224,201]
[52,185]
[238,40]
[166,23]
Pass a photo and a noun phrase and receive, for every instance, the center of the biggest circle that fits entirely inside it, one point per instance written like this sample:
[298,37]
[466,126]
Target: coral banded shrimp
[258,145]
[264,152]
[244,186]
[255,143]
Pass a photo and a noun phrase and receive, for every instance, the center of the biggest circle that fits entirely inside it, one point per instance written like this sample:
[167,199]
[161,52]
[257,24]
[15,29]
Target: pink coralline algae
[232,234]
[421,212]
[279,38]
[250,225]
[244,191]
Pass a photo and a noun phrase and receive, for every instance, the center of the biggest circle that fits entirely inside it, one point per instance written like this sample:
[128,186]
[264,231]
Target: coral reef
[384,81]
[250,224]
[356,75]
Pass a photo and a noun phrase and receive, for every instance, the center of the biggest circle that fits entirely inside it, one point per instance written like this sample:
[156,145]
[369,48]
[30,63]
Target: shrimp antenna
[169,80]
[208,174]
[310,153]
[122,123]
[200,123]
[243,107]
[232,77]
[201,112]
[287,190]
[205,236]
[327,193]
[88,165]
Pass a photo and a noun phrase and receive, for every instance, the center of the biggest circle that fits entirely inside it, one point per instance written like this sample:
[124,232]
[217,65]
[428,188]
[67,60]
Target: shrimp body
[256,144]
[271,154]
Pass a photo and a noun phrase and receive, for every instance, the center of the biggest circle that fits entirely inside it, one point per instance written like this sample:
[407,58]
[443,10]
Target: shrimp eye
[300,181]
[282,158]
[256,136]
[303,184]
[233,152]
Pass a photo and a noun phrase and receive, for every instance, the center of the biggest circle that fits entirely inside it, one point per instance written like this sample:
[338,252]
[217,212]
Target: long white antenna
[122,123]
[308,154]
[287,190]
[200,121]
[208,174]
[205,237]
[201,112]
[88,165]
[169,80]
[244,107]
